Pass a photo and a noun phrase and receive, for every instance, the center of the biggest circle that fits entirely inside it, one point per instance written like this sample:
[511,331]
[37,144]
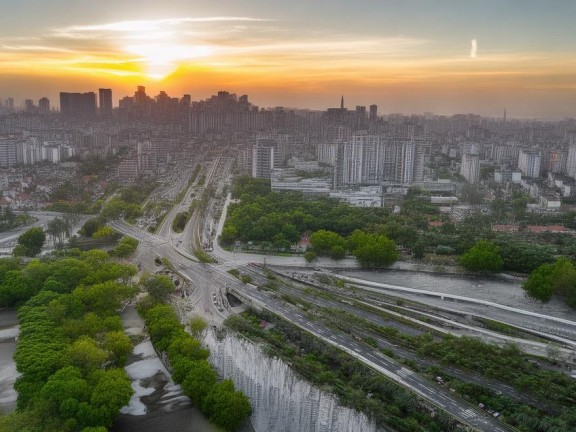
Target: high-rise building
[470,167]
[44,105]
[373,113]
[263,158]
[8,152]
[529,163]
[571,160]
[105,102]
[78,105]
[29,106]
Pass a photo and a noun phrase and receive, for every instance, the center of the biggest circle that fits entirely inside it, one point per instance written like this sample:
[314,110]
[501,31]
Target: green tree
[30,242]
[549,279]
[85,354]
[159,287]
[228,235]
[16,288]
[483,256]
[324,241]
[67,383]
[126,246]
[111,392]
[373,250]
[119,344]
[199,381]
[309,256]
[90,227]
[197,325]
[226,407]
[186,346]
[419,250]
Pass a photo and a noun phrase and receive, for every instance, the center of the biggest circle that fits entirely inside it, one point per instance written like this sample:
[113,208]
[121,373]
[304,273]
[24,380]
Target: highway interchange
[212,281]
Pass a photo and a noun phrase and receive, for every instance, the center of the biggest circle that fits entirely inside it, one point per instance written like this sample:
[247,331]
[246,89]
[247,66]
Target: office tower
[470,167]
[78,105]
[44,105]
[186,101]
[29,106]
[8,152]
[529,163]
[263,158]
[105,102]
[571,160]
[373,113]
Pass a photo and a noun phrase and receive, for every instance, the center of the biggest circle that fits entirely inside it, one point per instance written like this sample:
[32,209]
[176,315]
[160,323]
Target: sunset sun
[160,60]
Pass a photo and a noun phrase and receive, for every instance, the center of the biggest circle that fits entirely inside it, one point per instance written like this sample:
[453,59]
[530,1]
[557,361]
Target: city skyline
[444,56]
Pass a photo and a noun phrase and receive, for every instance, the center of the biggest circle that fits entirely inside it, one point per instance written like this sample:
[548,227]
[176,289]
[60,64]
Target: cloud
[145,25]
[473,48]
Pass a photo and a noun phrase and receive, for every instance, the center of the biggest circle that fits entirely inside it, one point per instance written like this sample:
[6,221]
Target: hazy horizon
[443,56]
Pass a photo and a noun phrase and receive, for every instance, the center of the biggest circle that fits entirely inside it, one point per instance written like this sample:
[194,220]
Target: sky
[406,56]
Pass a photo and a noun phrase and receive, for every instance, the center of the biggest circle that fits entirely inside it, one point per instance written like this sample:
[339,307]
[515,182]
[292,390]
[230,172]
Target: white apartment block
[529,163]
[470,167]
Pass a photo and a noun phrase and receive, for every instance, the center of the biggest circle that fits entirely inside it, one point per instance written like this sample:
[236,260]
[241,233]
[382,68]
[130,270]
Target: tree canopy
[159,287]
[483,256]
[71,349]
[549,279]
[30,242]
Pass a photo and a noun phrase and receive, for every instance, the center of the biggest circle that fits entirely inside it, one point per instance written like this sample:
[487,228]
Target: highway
[209,281]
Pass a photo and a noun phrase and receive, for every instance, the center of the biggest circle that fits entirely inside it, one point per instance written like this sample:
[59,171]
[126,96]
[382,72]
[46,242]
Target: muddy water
[158,404]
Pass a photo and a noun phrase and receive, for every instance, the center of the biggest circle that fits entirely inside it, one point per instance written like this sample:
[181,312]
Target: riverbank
[158,403]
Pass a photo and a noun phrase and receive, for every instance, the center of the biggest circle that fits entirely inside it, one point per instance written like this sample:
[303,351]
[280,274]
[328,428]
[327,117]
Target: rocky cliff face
[281,401]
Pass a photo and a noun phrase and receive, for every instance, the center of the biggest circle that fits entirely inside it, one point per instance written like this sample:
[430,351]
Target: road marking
[405,373]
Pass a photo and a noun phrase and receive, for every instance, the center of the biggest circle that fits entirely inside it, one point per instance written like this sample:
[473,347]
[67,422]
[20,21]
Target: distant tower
[105,102]
[373,113]
[504,115]
[342,102]
[44,105]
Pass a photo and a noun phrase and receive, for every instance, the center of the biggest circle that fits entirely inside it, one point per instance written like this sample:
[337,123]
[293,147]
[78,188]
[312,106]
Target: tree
[197,325]
[90,227]
[483,256]
[228,235]
[126,246]
[225,406]
[30,242]
[159,287]
[419,250]
[373,250]
[112,391]
[548,279]
[324,241]
[118,343]
[16,288]
[309,256]
[85,354]
[65,384]
[199,381]
[186,346]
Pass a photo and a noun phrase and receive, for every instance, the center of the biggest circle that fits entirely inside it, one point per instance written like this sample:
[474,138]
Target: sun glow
[160,60]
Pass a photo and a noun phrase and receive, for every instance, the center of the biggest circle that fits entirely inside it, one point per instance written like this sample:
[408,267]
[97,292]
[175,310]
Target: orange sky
[278,63]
